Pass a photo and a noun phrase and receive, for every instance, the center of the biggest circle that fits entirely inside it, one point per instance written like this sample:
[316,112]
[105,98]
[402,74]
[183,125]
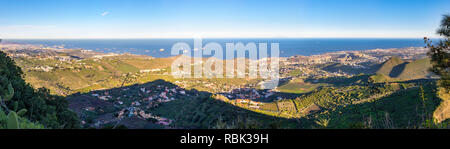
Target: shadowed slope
[188,109]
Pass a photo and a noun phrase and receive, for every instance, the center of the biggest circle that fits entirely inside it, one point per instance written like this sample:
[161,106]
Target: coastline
[160,48]
[89,53]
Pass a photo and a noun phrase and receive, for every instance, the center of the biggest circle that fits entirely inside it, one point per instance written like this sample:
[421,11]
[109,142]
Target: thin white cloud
[105,13]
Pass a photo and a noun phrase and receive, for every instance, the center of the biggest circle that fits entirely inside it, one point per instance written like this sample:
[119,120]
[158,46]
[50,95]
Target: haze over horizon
[105,19]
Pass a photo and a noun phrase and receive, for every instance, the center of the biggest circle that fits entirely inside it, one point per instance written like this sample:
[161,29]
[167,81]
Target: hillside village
[113,105]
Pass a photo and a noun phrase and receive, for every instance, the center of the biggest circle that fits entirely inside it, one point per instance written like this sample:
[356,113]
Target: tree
[440,54]
[128,78]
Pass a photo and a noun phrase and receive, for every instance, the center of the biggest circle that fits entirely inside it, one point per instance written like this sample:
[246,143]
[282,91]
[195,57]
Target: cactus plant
[15,105]
[12,121]
[2,116]
[2,120]
[10,93]
[22,112]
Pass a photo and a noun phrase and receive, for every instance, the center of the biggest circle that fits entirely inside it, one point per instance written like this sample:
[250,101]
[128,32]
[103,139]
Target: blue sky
[221,18]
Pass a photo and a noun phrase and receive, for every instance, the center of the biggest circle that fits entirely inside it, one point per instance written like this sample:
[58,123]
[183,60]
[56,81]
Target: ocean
[288,47]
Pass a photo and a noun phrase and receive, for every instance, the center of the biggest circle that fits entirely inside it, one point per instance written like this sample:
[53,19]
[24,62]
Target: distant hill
[389,65]
[397,69]
[416,69]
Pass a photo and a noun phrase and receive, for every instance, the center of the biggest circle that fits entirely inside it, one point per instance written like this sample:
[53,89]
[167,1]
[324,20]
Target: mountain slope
[416,69]
[387,67]
[396,69]
[40,106]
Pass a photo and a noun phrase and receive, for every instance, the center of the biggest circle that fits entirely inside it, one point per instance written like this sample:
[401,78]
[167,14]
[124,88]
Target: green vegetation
[407,105]
[339,67]
[395,69]
[380,78]
[416,69]
[14,121]
[440,54]
[341,81]
[42,107]
[295,73]
[329,98]
[367,105]
[71,76]
[410,108]
[298,86]
[440,61]
[206,112]
[388,66]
